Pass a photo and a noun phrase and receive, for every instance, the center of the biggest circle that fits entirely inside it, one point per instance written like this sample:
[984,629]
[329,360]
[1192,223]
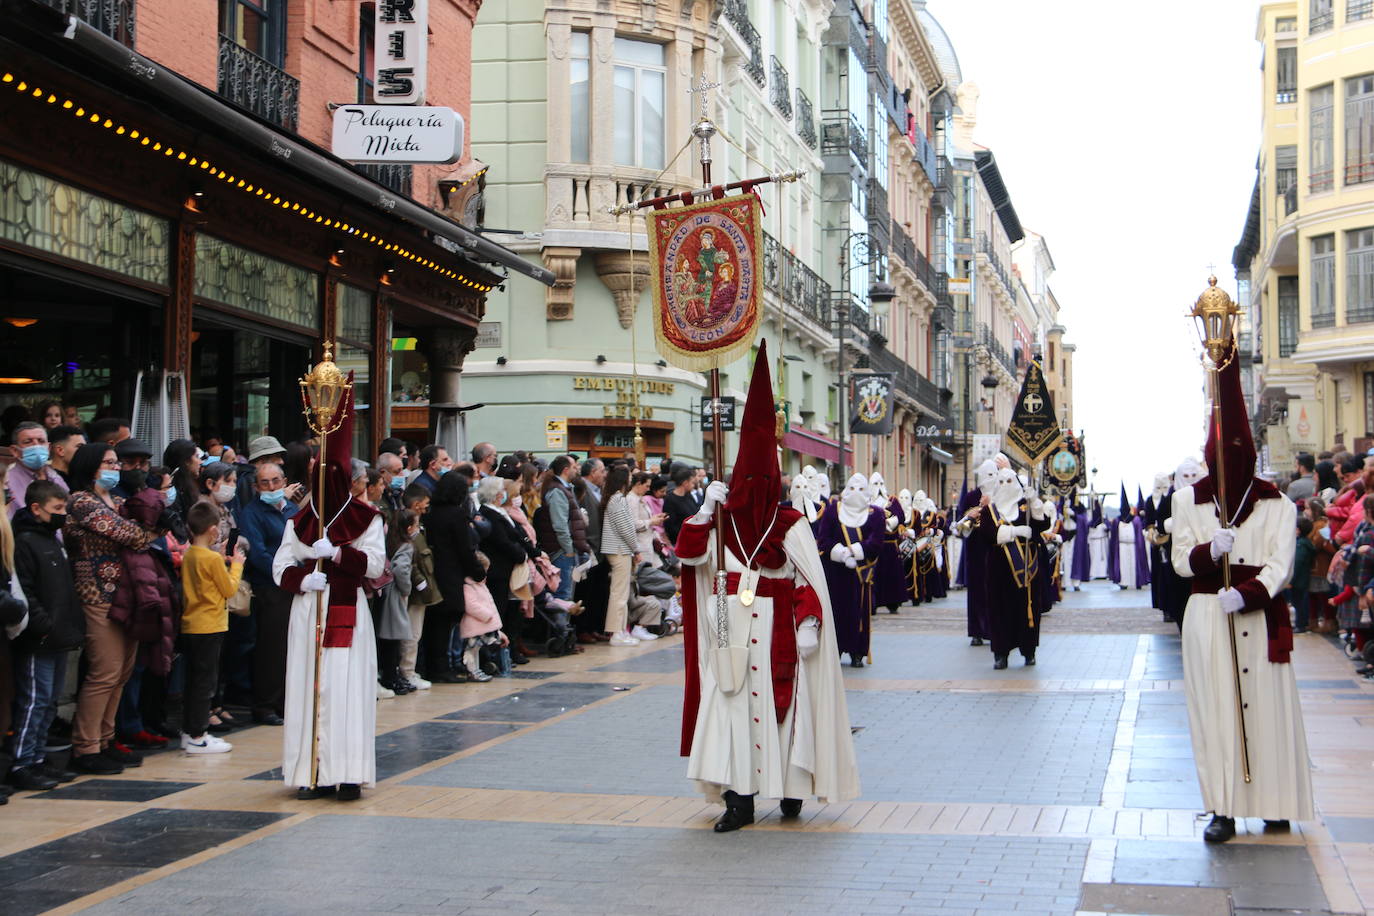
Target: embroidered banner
[871,397]
[1034,428]
[707,280]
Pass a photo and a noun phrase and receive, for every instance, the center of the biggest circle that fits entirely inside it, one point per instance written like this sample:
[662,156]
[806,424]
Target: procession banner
[871,398]
[707,280]
[1034,428]
[1064,466]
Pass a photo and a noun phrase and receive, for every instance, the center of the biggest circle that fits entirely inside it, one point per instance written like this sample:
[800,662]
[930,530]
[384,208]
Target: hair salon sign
[389,133]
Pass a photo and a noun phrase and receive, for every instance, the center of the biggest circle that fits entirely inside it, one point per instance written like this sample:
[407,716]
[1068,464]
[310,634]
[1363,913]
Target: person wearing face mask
[1009,528]
[30,454]
[262,521]
[849,538]
[219,485]
[62,445]
[134,461]
[56,626]
[393,484]
[506,546]
[95,535]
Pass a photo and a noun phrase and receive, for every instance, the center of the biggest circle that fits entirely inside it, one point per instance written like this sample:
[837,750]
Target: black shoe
[5,792]
[892,608]
[1277,825]
[60,773]
[31,779]
[739,812]
[1220,830]
[349,791]
[305,793]
[267,718]
[999,662]
[1030,660]
[519,659]
[791,807]
[223,728]
[122,755]
[448,677]
[96,765]
[856,661]
[976,641]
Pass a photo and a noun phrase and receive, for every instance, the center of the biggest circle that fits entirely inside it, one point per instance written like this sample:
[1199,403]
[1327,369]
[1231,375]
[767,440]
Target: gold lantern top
[322,392]
[1216,316]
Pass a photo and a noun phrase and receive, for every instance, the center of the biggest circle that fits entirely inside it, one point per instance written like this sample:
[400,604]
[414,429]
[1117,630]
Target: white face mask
[225,492]
[517,501]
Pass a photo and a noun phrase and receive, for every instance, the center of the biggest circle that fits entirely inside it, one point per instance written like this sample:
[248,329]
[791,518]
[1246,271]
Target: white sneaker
[205,744]
[620,639]
[642,634]
[418,682]
[384,693]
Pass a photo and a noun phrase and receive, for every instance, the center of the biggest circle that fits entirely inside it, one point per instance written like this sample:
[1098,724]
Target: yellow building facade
[1305,262]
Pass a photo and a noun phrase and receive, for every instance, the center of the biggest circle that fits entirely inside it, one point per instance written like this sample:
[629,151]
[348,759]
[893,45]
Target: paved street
[1060,789]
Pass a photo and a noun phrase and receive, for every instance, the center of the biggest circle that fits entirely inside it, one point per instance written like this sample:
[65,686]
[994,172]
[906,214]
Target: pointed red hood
[1238,455]
[343,526]
[756,479]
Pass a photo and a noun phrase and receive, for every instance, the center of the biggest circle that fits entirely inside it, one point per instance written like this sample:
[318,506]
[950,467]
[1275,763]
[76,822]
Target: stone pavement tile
[941,657]
[537,703]
[1351,829]
[404,749]
[667,660]
[1155,899]
[1257,875]
[121,790]
[380,864]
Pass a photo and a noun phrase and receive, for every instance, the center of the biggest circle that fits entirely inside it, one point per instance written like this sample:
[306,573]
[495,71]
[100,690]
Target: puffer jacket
[56,621]
[145,599]
[424,587]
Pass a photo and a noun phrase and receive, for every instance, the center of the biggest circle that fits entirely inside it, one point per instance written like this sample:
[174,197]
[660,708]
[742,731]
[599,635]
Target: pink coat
[479,611]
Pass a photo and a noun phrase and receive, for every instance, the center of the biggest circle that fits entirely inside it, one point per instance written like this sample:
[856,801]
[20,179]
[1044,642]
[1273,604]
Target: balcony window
[1355,10]
[1288,315]
[258,25]
[1323,281]
[1320,16]
[1322,134]
[367,37]
[1285,168]
[640,80]
[579,96]
[1359,276]
[1286,76]
[1359,129]
[1286,24]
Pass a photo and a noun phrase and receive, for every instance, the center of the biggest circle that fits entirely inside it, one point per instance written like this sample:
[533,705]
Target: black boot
[976,641]
[305,793]
[791,807]
[1030,658]
[739,812]
[1278,825]
[349,791]
[856,661]
[999,662]
[1220,830]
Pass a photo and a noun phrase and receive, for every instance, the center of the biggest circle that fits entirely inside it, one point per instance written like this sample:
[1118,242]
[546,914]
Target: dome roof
[942,46]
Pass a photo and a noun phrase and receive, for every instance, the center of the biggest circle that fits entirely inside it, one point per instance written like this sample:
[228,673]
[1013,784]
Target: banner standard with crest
[870,397]
[707,280]
[1034,428]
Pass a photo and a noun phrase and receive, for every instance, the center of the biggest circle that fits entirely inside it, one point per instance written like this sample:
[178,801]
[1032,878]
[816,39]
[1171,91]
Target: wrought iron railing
[1290,200]
[907,380]
[1360,171]
[737,13]
[251,82]
[114,18]
[1320,180]
[1321,22]
[840,130]
[1324,319]
[799,287]
[754,65]
[939,285]
[1285,94]
[1358,9]
[903,248]
[389,175]
[994,346]
[844,304]
[985,248]
[806,120]
[877,205]
[925,153]
[780,93]
[1359,314]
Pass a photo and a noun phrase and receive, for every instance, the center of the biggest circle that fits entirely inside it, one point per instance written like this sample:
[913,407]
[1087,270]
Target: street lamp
[863,251]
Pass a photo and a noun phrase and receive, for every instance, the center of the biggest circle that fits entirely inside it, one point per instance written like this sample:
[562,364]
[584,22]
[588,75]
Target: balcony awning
[804,441]
[166,89]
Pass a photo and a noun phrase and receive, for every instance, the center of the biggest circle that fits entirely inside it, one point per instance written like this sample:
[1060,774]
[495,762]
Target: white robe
[348,688]
[738,743]
[1125,553]
[1281,781]
[1097,552]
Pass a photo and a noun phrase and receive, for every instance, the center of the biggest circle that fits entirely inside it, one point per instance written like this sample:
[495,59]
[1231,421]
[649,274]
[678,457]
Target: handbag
[241,604]
[520,581]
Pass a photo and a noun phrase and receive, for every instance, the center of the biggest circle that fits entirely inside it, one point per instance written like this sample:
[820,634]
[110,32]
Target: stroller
[654,585]
[559,638]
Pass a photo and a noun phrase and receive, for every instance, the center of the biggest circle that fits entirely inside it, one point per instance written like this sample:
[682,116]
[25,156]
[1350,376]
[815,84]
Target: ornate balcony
[114,18]
[840,131]
[258,86]
[985,248]
[806,121]
[995,347]
[780,93]
[799,287]
[389,175]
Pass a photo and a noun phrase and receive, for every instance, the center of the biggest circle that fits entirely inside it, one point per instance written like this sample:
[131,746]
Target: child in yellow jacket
[208,586]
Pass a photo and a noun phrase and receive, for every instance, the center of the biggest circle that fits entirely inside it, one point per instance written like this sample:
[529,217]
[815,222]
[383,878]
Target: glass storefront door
[244,384]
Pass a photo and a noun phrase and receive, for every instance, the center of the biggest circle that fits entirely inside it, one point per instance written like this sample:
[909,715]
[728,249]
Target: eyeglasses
[110,463]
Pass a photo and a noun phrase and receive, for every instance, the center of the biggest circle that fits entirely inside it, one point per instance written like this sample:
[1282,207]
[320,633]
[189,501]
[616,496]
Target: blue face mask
[34,456]
[108,479]
[209,459]
[398,482]
[170,494]
[272,497]
[443,471]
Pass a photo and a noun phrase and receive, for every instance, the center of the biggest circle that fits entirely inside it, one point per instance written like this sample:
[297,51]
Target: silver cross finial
[704,87]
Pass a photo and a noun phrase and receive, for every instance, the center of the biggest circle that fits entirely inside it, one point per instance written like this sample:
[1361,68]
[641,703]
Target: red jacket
[145,599]
[1345,512]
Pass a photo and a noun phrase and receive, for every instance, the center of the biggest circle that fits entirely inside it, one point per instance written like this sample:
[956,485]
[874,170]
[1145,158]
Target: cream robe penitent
[1281,786]
[1098,542]
[1125,553]
[348,687]
[738,743]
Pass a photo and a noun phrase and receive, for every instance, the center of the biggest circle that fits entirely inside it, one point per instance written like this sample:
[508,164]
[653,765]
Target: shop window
[353,309]
[50,216]
[640,98]
[256,283]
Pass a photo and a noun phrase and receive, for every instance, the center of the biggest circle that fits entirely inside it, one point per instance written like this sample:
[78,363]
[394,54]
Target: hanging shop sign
[387,133]
[488,335]
[870,396]
[726,410]
[401,52]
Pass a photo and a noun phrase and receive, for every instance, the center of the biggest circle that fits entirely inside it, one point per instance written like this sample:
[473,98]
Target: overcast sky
[1127,136]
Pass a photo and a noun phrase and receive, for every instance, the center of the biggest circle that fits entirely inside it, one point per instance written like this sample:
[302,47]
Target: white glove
[1021,531]
[1168,525]
[909,534]
[892,523]
[716,492]
[323,550]
[315,582]
[856,551]
[1223,539]
[1058,539]
[1030,494]
[1231,600]
[838,553]
[851,562]
[807,638]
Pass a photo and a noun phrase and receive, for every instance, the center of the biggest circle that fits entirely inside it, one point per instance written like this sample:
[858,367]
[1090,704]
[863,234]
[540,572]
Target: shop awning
[288,151]
[940,455]
[804,441]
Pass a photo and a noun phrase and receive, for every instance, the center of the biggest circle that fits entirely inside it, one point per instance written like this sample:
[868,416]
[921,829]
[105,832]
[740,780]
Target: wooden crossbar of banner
[690,197]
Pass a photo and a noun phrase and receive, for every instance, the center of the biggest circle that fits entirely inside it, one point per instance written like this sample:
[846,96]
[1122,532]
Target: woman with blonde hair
[13,611]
